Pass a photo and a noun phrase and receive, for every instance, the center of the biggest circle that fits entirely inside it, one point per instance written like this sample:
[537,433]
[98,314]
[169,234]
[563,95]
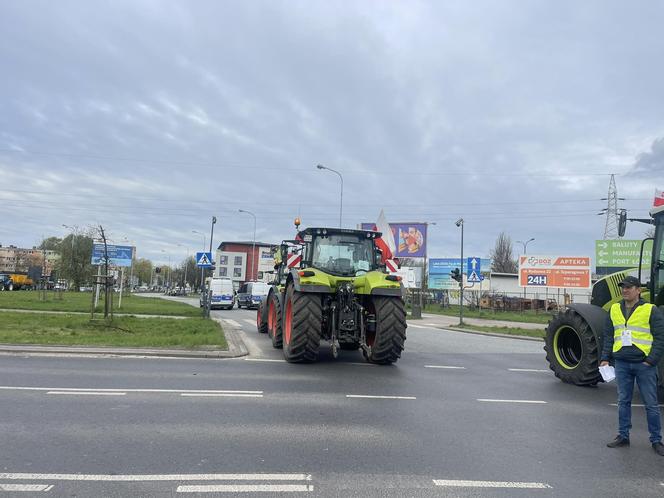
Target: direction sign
[621,253]
[117,255]
[473,267]
[204,259]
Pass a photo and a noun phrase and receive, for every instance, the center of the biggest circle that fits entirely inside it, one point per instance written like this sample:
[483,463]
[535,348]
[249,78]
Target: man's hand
[603,363]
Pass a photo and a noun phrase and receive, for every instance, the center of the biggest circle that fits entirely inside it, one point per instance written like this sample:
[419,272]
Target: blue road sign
[204,259]
[473,268]
[117,255]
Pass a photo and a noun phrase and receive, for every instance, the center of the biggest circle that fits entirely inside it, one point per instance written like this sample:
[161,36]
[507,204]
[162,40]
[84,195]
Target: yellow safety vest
[638,324]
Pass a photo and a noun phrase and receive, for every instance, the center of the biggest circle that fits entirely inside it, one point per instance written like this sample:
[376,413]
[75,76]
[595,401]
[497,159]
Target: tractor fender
[594,316]
[275,290]
[317,286]
[382,291]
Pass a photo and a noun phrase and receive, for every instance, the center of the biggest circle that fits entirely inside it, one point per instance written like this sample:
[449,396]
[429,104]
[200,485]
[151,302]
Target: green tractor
[574,338]
[330,285]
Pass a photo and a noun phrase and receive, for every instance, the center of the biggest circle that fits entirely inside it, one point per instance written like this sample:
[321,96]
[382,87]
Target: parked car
[251,294]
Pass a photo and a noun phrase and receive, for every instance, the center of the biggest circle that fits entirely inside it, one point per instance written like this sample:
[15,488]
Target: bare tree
[502,260]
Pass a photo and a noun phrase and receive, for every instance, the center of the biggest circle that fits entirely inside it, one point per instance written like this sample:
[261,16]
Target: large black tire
[261,319]
[572,349]
[303,321]
[274,315]
[386,345]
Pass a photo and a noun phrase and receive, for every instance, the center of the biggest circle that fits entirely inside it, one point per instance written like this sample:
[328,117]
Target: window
[222,271]
[223,260]
[238,260]
[237,272]
[260,275]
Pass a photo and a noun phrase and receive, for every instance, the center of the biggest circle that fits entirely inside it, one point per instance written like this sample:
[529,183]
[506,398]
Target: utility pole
[459,223]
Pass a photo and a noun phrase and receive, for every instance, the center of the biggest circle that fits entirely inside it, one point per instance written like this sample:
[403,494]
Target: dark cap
[630,281]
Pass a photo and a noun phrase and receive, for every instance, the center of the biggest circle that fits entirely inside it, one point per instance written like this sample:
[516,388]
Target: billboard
[562,272]
[410,239]
[440,268]
[117,255]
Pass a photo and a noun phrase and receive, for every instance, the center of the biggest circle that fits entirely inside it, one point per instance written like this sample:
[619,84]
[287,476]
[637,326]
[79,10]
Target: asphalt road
[458,415]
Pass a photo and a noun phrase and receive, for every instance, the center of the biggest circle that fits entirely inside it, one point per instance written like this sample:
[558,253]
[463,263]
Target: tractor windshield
[658,262]
[343,254]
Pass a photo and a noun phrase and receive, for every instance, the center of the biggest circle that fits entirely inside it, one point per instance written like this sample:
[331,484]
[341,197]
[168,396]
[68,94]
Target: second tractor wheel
[303,318]
[572,350]
[261,319]
[387,342]
[274,329]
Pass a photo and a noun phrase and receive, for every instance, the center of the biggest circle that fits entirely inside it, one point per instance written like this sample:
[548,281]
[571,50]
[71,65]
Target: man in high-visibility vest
[634,340]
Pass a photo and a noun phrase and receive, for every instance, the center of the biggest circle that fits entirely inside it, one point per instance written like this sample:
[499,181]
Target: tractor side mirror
[622,222]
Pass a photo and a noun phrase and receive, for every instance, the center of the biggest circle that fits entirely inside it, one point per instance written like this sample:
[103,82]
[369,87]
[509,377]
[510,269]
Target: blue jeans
[646,379]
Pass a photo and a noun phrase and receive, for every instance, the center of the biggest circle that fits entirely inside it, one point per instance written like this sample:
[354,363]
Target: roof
[246,243]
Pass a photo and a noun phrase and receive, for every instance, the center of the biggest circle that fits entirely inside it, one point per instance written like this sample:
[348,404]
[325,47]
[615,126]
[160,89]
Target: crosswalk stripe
[249,321]
[490,484]
[231,322]
[246,488]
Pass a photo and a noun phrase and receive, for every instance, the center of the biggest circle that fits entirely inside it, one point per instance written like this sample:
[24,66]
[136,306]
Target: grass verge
[126,331]
[509,316]
[505,330]
[82,301]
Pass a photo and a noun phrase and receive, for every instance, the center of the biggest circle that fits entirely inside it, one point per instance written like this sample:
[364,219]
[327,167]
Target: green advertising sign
[621,253]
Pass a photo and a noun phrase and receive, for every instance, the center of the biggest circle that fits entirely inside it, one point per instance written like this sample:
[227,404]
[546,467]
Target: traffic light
[456,275]
[157,269]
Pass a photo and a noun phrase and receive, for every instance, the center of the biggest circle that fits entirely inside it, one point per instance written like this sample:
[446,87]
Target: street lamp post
[459,223]
[204,245]
[341,203]
[253,245]
[525,250]
[73,229]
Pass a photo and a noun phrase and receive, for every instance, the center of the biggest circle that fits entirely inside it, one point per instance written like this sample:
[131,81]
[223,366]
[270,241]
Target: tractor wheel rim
[289,322]
[567,347]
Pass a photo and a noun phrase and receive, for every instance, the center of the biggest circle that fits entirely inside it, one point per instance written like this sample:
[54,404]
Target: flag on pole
[658,202]
[386,242]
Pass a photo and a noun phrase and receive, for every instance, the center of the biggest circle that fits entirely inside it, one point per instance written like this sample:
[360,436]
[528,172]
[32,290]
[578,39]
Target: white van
[221,292]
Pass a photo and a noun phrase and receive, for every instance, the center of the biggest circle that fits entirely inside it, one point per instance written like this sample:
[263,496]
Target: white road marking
[445,366]
[87,393]
[490,484]
[265,360]
[249,321]
[156,477]
[633,404]
[26,487]
[512,401]
[364,364]
[85,389]
[222,395]
[232,322]
[378,397]
[410,325]
[246,488]
[527,370]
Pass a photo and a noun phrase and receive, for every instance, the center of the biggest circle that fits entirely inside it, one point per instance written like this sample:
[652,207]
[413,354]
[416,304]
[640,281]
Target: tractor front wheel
[303,318]
[261,319]
[386,343]
[274,329]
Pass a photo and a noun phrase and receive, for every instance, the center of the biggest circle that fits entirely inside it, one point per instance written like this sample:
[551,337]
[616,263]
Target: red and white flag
[386,242]
[658,202]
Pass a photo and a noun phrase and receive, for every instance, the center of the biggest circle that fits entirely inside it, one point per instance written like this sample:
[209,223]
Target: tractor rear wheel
[303,319]
[261,319]
[274,329]
[386,343]
[572,350]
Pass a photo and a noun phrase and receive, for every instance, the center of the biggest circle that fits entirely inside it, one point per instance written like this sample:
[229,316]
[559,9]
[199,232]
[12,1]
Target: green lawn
[57,329]
[82,301]
[510,316]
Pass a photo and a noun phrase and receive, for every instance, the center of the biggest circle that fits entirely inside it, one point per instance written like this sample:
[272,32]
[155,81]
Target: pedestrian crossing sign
[204,259]
[473,277]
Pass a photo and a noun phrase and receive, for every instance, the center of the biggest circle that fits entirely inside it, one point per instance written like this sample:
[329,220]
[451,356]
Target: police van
[221,292]
[251,294]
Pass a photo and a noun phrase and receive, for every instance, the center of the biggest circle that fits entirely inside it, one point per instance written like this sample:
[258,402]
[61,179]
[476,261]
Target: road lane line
[378,397]
[87,393]
[491,484]
[232,322]
[156,477]
[246,488]
[445,366]
[250,321]
[26,487]
[512,401]
[267,360]
[633,404]
[527,370]
[89,389]
[221,395]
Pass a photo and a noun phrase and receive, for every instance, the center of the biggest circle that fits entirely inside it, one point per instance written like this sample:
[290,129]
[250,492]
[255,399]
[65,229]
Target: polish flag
[657,203]
[386,242]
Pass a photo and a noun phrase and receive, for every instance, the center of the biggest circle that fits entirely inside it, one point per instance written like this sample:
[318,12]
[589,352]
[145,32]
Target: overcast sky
[150,117]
